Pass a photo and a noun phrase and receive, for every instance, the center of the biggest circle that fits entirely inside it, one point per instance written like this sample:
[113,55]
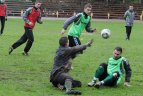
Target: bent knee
[103,65]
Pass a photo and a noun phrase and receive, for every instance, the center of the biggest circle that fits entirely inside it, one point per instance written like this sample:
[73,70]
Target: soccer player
[3,15]
[129,17]
[111,73]
[30,17]
[80,22]
[59,76]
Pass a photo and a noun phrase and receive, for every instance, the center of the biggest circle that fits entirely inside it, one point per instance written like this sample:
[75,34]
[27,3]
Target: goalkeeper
[62,64]
[110,74]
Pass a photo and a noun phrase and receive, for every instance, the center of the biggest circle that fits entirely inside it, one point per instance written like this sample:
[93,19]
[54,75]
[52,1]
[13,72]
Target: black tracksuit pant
[2,19]
[26,37]
[128,32]
[73,41]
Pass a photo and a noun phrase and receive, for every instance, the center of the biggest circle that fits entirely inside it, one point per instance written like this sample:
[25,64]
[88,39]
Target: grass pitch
[29,76]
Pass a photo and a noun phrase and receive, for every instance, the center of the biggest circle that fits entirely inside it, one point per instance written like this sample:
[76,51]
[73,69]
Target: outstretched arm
[70,21]
[79,48]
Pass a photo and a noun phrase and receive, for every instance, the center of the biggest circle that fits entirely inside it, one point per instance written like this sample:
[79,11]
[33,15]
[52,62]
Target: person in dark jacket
[129,17]
[59,76]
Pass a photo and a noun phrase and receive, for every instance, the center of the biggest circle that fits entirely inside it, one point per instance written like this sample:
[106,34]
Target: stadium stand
[15,7]
[67,8]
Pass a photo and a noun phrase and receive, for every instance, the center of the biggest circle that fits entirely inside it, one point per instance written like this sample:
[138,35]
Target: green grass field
[29,76]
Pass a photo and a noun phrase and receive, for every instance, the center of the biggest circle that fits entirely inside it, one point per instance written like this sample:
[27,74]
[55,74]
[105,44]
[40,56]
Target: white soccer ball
[105,33]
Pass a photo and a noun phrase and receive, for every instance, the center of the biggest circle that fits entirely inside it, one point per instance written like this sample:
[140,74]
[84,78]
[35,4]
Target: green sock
[108,79]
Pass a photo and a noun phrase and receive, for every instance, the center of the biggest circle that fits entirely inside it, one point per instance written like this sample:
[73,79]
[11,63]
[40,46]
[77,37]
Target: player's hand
[127,84]
[30,23]
[115,74]
[89,43]
[62,32]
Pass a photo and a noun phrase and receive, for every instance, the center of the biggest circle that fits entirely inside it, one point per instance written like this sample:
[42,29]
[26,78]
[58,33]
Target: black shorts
[73,41]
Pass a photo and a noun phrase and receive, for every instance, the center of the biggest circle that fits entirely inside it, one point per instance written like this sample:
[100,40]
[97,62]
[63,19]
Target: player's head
[38,3]
[131,8]
[117,52]
[64,42]
[88,8]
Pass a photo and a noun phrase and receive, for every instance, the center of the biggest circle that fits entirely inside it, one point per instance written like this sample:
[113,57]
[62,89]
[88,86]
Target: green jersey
[115,66]
[77,27]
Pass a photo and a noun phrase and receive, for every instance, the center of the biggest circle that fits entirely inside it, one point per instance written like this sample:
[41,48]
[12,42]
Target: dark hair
[118,49]
[88,5]
[63,41]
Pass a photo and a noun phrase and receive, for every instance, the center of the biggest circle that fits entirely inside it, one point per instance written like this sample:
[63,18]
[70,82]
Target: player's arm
[89,29]
[77,49]
[70,21]
[39,20]
[26,13]
[125,15]
[128,71]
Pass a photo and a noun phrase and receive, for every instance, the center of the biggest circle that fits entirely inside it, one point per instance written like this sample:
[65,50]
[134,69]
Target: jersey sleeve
[88,28]
[26,13]
[71,20]
[39,20]
[128,70]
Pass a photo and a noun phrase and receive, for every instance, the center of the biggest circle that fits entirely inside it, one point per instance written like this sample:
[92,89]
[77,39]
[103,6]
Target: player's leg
[73,41]
[100,74]
[76,83]
[30,41]
[64,81]
[2,23]
[22,40]
[110,80]
[127,32]
[130,29]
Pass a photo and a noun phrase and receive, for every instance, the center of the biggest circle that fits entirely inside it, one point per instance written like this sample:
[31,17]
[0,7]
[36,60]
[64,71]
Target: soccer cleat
[25,54]
[10,50]
[73,92]
[92,83]
[98,85]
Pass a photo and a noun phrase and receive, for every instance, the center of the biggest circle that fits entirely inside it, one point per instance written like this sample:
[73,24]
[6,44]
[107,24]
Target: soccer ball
[105,33]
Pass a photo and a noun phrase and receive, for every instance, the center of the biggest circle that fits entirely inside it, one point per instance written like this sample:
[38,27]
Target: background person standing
[129,18]
[3,15]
